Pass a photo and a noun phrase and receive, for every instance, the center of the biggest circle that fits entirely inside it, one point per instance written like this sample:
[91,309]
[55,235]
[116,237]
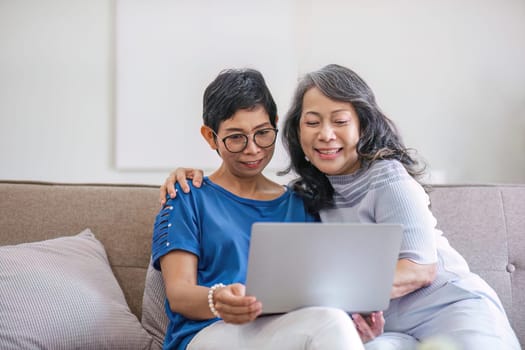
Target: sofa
[75,259]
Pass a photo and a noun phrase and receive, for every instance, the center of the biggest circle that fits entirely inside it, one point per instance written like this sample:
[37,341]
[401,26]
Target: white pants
[310,328]
[393,341]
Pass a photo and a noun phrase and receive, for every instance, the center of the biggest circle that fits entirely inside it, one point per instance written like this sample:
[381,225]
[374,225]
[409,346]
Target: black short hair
[233,90]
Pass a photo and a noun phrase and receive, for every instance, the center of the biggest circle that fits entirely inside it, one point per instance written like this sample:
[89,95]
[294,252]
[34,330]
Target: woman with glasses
[200,239]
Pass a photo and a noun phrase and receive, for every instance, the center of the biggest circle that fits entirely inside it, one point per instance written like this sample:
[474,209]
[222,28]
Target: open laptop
[342,265]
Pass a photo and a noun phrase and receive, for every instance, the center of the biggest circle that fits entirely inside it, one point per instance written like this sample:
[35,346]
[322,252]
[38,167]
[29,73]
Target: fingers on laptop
[369,326]
[234,307]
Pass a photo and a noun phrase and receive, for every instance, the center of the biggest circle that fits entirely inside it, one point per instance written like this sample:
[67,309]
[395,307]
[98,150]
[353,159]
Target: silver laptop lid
[342,265]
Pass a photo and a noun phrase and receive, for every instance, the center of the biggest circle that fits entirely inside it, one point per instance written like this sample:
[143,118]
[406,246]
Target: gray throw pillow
[154,318]
[61,294]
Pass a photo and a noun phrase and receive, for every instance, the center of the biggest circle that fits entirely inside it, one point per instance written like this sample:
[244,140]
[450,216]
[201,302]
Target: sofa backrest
[120,216]
[486,224]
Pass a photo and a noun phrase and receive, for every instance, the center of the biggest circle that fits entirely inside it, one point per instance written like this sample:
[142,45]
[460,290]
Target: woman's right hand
[370,326]
[180,175]
[234,306]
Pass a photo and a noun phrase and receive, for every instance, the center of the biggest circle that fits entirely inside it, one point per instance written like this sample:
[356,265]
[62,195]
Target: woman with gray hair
[354,167]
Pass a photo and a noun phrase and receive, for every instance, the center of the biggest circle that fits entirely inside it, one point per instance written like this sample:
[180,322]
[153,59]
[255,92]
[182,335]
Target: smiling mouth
[252,164]
[328,152]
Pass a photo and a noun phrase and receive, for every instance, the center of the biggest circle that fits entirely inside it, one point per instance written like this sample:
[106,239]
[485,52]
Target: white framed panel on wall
[169,51]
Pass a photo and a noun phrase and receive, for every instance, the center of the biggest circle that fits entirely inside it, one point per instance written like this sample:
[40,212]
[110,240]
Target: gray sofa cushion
[61,294]
[154,318]
[486,224]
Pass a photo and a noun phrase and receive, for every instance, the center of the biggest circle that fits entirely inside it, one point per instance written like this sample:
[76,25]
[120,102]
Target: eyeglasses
[237,143]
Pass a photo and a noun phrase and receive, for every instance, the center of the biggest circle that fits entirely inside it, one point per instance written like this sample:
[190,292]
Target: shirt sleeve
[176,227]
[405,202]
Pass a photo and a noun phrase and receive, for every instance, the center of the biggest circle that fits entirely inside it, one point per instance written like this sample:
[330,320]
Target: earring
[307,159]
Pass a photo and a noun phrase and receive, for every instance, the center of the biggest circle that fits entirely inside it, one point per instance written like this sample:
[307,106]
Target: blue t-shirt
[215,225]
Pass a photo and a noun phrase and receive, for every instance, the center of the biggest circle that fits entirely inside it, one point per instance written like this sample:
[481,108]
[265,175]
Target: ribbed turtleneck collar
[336,180]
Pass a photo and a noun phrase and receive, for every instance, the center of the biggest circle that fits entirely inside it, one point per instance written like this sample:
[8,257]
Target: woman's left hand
[369,326]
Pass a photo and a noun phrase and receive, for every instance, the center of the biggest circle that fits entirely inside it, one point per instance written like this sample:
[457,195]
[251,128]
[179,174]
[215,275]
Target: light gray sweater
[386,193]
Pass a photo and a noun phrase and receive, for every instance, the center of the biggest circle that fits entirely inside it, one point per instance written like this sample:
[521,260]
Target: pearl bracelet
[210,299]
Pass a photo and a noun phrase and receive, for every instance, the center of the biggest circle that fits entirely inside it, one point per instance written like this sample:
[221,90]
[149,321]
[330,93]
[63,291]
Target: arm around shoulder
[180,176]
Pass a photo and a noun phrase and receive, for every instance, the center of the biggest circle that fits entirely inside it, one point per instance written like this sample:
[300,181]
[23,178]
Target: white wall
[57,85]
[56,92]
[450,73]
